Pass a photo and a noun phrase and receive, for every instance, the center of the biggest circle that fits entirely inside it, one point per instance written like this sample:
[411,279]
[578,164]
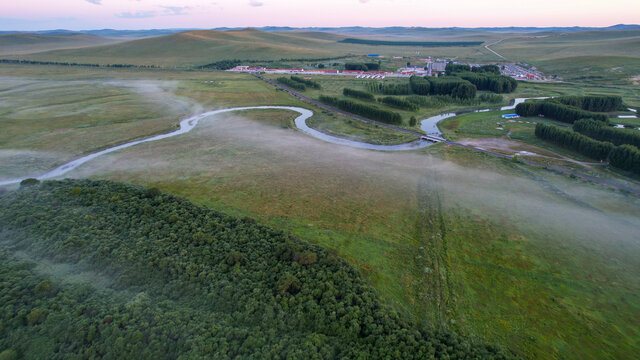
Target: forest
[625,157]
[498,84]
[142,274]
[358,94]
[292,84]
[599,131]
[306,82]
[368,111]
[595,149]
[557,111]
[399,103]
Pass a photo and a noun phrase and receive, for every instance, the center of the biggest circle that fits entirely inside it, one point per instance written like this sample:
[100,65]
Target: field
[538,263]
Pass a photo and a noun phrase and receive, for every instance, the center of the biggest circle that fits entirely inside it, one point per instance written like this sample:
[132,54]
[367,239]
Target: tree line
[362,66]
[389,88]
[306,82]
[582,144]
[410,43]
[368,111]
[358,94]
[183,281]
[37,62]
[599,103]
[488,81]
[599,131]
[452,68]
[399,103]
[290,83]
[557,111]
[625,157]
[231,63]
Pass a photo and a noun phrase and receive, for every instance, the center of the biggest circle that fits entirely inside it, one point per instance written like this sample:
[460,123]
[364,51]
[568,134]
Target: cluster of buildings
[520,72]
[435,68]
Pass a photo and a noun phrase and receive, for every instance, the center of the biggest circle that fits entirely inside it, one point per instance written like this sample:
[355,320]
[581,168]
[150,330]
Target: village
[435,68]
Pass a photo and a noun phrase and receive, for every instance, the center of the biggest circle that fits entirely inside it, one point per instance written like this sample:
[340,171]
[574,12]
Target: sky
[149,14]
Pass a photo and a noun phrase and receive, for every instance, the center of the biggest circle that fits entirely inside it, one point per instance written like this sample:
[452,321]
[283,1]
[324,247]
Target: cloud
[95,2]
[176,10]
[136,15]
[255,3]
[364,1]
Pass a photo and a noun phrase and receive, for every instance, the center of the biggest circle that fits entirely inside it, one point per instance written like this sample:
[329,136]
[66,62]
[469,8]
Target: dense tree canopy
[358,94]
[599,131]
[167,279]
[368,111]
[557,111]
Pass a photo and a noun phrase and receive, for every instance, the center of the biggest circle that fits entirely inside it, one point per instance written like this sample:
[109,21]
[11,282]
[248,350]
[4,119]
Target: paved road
[493,43]
[528,162]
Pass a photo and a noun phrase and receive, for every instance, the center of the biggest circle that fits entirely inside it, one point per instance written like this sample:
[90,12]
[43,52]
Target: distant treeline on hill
[36,62]
[230,64]
[410,43]
[557,110]
[368,111]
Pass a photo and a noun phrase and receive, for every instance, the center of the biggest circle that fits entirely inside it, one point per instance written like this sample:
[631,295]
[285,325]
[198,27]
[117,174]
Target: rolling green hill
[30,43]
[584,56]
[202,47]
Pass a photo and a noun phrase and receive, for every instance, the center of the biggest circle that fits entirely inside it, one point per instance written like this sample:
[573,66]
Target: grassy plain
[490,248]
[20,44]
[533,261]
[201,47]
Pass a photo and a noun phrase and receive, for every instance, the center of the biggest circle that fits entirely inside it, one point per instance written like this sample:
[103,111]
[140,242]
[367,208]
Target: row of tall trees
[598,103]
[189,283]
[368,111]
[356,67]
[399,103]
[557,111]
[39,62]
[358,94]
[306,82]
[420,85]
[599,131]
[288,82]
[625,157]
[389,89]
[572,140]
[488,81]
[452,68]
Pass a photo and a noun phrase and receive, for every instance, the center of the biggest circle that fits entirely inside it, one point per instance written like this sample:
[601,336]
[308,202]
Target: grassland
[597,57]
[20,44]
[195,48]
[75,111]
[539,263]
[443,241]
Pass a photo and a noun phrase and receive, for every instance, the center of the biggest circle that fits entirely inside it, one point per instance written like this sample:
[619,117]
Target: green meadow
[535,262]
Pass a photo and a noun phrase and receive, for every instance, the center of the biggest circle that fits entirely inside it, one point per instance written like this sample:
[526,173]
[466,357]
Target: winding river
[428,125]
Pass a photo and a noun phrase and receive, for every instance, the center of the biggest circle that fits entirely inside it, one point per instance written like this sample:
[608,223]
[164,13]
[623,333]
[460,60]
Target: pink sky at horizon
[147,14]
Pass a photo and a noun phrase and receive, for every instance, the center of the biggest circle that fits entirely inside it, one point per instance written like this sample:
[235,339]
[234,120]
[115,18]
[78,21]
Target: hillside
[202,47]
[26,43]
[103,269]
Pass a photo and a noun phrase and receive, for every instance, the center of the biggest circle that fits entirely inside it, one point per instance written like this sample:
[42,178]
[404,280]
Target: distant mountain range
[352,30]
